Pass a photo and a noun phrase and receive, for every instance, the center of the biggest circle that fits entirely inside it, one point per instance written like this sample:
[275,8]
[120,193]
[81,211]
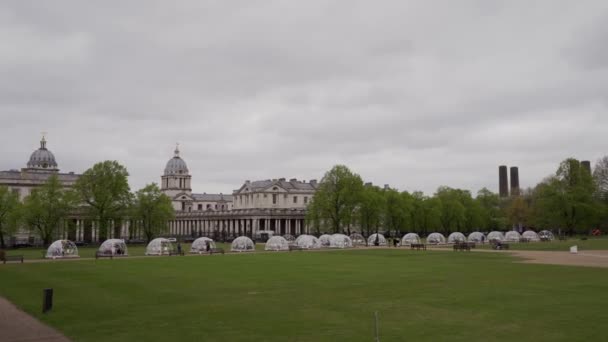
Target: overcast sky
[416,94]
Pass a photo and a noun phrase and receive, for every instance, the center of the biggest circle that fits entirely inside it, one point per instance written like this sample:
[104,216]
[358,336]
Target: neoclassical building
[39,168]
[275,205]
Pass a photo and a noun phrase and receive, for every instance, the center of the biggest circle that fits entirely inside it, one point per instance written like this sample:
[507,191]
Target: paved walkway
[582,258]
[17,326]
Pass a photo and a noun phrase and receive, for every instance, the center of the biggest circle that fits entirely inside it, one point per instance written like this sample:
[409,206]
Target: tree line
[573,201]
[102,194]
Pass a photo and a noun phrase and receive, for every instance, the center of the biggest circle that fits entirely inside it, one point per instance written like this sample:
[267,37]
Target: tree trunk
[2,246]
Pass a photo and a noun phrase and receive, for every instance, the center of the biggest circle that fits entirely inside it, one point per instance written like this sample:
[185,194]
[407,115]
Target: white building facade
[277,206]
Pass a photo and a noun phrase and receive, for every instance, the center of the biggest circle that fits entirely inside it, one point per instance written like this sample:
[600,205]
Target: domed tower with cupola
[175,182]
[42,160]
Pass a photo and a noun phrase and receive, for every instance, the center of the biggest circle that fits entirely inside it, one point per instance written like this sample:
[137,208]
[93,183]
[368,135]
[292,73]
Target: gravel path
[17,326]
[582,258]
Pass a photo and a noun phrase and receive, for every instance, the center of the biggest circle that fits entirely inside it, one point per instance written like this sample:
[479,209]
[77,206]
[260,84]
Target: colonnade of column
[236,227]
[85,230]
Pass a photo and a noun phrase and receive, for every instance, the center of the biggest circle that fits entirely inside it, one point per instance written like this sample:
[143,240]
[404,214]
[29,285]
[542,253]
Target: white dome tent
[358,239]
[277,243]
[305,241]
[62,249]
[115,247]
[340,241]
[290,238]
[476,237]
[496,235]
[324,240]
[546,235]
[371,240]
[512,236]
[242,244]
[531,235]
[159,246]
[435,239]
[410,238]
[456,237]
[199,245]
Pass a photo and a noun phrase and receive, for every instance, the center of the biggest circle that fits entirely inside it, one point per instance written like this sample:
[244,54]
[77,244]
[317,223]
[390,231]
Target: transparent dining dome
[358,239]
[62,249]
[496,236]
[290,238]
[512,236]
[435,238]
[546,235]
[159,246]
[456,237]
[277,243]
[307,242]
[202,245]
[531,235]
[116,247]
[242,244]
[340,241]
[324,240]
[376,238]
[476,237]
[410,238]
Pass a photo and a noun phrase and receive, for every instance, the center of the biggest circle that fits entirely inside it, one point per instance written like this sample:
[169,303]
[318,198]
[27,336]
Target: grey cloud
[417,94]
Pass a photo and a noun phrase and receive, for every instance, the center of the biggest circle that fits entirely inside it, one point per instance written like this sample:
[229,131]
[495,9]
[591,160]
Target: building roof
[42,158]
[212,197]
[292,184]
[26,175]
[176,165]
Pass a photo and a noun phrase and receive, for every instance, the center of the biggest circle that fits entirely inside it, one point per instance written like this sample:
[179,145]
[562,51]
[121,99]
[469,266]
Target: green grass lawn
[315,296]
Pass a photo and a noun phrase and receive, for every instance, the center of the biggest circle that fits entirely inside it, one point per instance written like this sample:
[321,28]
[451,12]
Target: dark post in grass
[47,300]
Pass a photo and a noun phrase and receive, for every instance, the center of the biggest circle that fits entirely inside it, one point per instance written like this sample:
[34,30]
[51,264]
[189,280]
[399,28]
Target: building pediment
[183,196]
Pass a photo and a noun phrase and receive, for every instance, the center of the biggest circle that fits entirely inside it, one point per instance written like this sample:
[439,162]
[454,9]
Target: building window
[208,206]
[183,206]
[216,207]
[200,207]
[285,196]
[295,199]
[305,199]
[274,198]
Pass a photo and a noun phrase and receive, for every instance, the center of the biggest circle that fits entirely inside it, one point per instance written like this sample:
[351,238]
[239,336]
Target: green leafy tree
[491,214]
[47,207]
[425,213]
[153,209]
[369,215]
[453,212]
[337,199]
[396,211]
[518,211]
[104,188]
[10,210]
[566,200]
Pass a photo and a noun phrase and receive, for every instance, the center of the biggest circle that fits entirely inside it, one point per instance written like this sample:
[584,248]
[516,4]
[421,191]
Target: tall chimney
[514,181]
[586,165]
[503,181]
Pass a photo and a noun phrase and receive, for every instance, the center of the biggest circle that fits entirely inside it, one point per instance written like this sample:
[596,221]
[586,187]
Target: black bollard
[47,300]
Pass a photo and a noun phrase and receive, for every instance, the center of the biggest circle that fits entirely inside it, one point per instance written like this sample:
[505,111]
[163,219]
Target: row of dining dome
[163,246]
